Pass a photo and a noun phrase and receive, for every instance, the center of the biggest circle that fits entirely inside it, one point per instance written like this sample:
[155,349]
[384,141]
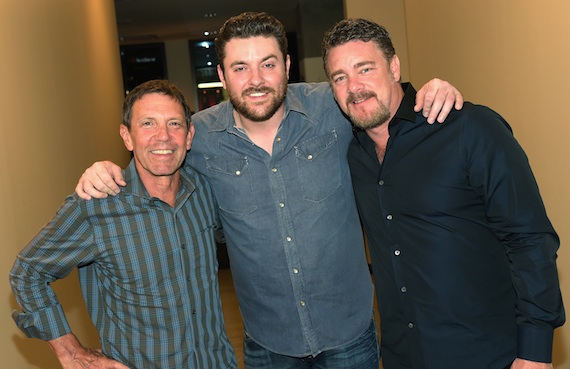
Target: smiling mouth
[162,152]
[356,99]
[257,94]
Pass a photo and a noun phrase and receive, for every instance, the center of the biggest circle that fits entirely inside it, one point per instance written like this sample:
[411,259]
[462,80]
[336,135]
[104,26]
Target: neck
[379,136]
[163,187]
[261,133]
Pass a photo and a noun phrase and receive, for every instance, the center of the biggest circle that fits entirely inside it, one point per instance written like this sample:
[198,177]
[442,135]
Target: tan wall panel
[61,100]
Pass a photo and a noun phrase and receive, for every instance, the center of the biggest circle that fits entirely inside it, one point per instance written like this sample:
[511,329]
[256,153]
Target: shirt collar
[134,182]
[136,187]
[406,109]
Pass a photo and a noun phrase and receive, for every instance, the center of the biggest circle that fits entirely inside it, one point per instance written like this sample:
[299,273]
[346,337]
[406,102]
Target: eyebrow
[355,66]
[240,62]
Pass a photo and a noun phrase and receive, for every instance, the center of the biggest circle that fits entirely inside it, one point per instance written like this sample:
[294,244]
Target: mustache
[352,97]
[262,89]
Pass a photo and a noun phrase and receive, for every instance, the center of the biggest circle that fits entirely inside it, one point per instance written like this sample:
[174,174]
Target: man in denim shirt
[275,156]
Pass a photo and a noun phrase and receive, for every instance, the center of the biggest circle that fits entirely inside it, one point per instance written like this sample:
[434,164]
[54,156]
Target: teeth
[257,94]
[162,151]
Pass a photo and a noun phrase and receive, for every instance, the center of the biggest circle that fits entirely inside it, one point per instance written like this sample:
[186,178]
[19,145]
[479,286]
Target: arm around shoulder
[436,99]
[101,179]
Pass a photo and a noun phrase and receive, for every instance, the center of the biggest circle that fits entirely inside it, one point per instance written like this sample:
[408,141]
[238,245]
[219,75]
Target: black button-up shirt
[462,251]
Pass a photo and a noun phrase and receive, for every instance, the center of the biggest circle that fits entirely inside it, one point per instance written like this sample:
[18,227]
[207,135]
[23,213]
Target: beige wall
[513,57]
[60,100]
[62,92]
[390,14]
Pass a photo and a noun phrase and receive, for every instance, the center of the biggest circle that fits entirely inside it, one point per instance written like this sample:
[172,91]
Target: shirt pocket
[318,162]
[232,182]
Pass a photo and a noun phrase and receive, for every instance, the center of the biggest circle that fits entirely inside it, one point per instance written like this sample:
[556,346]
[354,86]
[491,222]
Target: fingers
[91,187]
[451,99]
[421,97]
[425,100]
[459,100]
[441,108]
[436,99]
[436,108]
[95,359]
[79,191]
[98,181]
[116,174]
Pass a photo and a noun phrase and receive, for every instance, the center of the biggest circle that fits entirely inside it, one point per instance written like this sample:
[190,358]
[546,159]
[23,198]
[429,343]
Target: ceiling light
[210,85]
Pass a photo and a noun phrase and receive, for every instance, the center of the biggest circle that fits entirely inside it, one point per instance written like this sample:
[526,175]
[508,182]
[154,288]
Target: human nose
[162,133]
[256,77]
[354,84]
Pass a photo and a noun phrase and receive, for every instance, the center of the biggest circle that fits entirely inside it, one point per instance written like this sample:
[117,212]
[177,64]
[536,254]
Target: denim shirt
[291,224]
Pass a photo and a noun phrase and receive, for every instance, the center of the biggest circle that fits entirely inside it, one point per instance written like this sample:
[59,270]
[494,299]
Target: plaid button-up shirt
[148,273]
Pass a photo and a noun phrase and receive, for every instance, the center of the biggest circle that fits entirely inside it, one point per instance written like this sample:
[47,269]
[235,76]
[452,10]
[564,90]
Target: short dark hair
[357,29]
[159,86]
[250,24]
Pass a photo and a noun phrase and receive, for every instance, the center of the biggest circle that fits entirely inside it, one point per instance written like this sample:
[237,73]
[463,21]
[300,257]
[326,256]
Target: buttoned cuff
[46,324]
[535,343]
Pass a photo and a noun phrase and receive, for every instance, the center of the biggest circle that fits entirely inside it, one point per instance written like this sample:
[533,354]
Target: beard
[259,112]
[372,119]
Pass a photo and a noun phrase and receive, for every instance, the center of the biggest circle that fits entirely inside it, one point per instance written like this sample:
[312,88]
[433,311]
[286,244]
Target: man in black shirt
[463,253]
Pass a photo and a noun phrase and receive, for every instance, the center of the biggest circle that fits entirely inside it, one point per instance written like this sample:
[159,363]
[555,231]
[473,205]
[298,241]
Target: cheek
[141,141]
[232,89]
[340,99]
[236,81]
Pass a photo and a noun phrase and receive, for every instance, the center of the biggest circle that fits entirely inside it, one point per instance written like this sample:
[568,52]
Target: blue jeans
[362,353]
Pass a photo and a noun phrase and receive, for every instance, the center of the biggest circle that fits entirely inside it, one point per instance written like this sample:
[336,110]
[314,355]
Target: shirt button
[302,303]
[397,252]
[381,183]
[183,246]
[274,170]
[281,205]
[403,289]
[309,157]
[389,217]
[238,173]
[295,270]
[410,325]
[278,139]
[289,239]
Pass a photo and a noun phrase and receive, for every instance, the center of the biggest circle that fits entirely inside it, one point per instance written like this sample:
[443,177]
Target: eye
[269,65]
[338,79]
[175,123]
